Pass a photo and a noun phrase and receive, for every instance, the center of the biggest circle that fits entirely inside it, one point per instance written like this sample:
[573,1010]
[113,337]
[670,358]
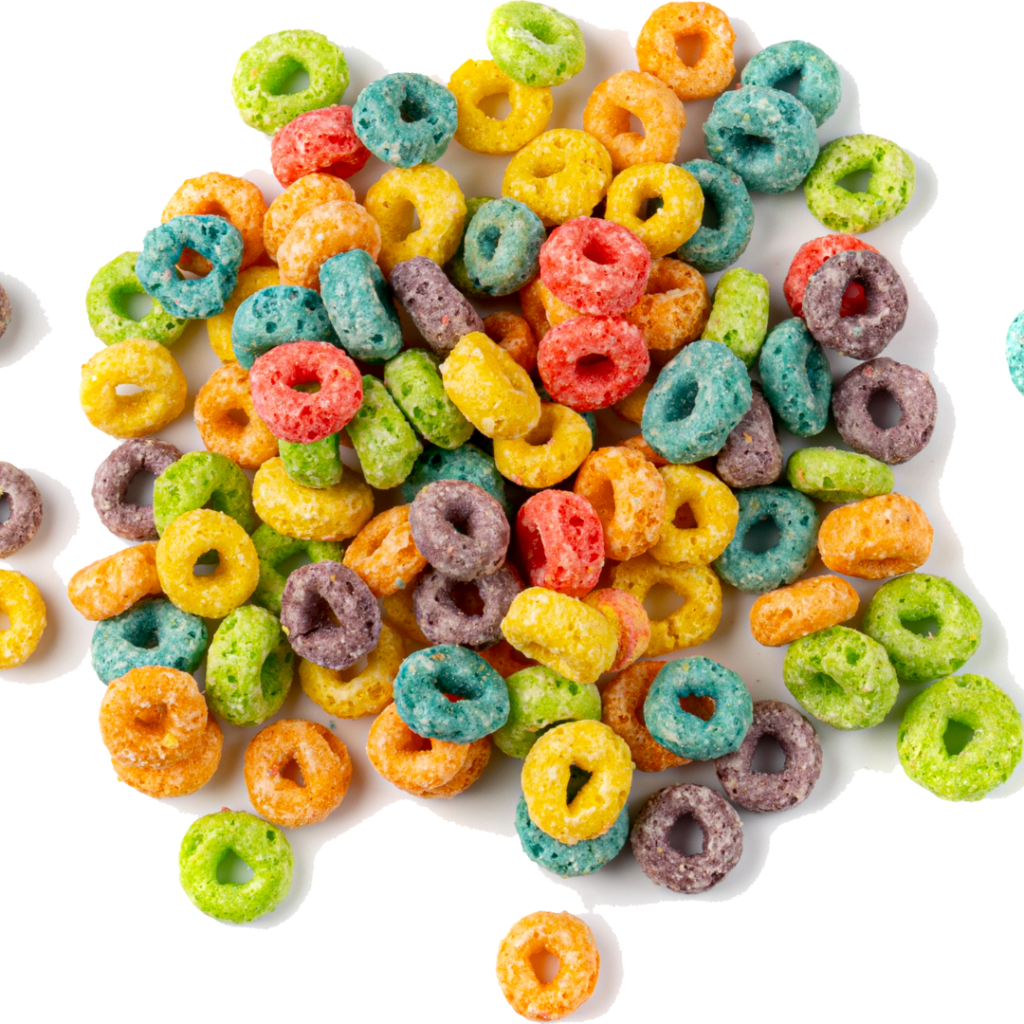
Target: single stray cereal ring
[25,508]
[21,601]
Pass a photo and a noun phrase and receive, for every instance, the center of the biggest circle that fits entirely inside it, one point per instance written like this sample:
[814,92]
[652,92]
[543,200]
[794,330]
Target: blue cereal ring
[149,633]
[455,268]
[1015,351]
[711,249]
[796,377]
[464,463]
[360,306]
[213,237]
[427,675]
[501,247]
[697,400]
[687,735]
[405,119]
[741,121]
[795,517]
[820,88]
[276,315]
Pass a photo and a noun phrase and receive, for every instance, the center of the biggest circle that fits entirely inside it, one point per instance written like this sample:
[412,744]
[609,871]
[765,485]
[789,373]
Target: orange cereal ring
[152,717]
[113,584]
[323,232]
[675,307]
[808,606]
[476,761]
[298,199]
[658,55]
[628,618]
[183,777]
[622,710]
[384,555]
[219,327]
[505,659]
[542,310]
[631,408]
[701,514]
[561,935]
[321,758]
[514,335]
[876,538]
[638,444]
[227,421]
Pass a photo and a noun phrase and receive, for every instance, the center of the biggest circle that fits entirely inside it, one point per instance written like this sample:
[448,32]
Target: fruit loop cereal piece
[199,479]
[106,303]
[440,313]
[360,306]
[455,268]
[809,258]
[347,693]
[321,758]
[622,711]
[674,309]
[443,621]
[113,584]
[631,408]
[249,668]
[820,87]
[887,193]
[714,512]
[560,175]
[836,476]
[535,300]
[217,407]
[386,444]
[298,199]
[150,633]
[561,541]
[5,311]
[1014,351]
[219,327]
[697,400]
[144,363]
[25,509]
[384,555]
[797,522]
[710,249]
[991,753]
[272,549]
[630,621]
[662,863]
[501,247]
[210,236]
[183,777]
[329,615]
[797,378]
[534,44]
[916,656]
[318,141]
[276,315]
[628,495]
[807,606]
[467,463]
[490,388]
[434,196]
[262,846]
[842,677]
[152,716]
[316,464]
[478,80]
[415,384]
[752,455]
[656,51]
[739,315]
[233,580]
[23,605]
[326,231]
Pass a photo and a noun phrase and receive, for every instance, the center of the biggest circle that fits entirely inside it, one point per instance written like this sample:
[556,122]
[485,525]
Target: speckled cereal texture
[835,476]
[796,377]
[820,88]
[25,509]
[807,606]
[739,313]
[382,437]
[751,455]
[1015,351]
[534,44]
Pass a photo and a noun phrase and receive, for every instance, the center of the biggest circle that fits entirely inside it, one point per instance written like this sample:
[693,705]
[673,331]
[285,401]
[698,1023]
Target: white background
[874,898]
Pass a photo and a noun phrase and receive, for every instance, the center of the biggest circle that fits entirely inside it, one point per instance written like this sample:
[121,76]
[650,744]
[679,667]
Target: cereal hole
[542,433]
[129,389]
[466,597]
[684,519]
[416,744]
[206,564]
[927,627]
[554,163]
[307,387]
[411,110]
[752,147]
[762,536]
[661,602]
[636,126]
[545,966]
[884,410]
[578,778]
[956,737]
[350,673]
[459,522]
[689,49]
[137,305]
[769,757]
[541,30]
[487,241]
[598,251]
[648,208]
[5,508]
[710,218]
[232,870]
[594,365]
[296,81]
[698,706]
[151,719]
[140,489]
[292,771]
[790,84]
[854,301]
[827,689]
[238,417]
[496,107]
[5,620]
[684,402]
[143,635]
[856,181]
[686,836]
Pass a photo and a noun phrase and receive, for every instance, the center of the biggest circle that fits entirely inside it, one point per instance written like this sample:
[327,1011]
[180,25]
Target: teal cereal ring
[538,699]
[991,753]
[249,667]
[842,677]
[534,44]
[276,315]
[797,521]
[455,268]
[360,306]
[796,377]
[1014,351]
[888,192]
[501,247]
[415,384]
[739,313]
[466,463]
[260,82]
[710,249]
[262,846]
[312,463]
[820,88]
[272,549]
[914,598]
[385,443]
[837,476]
[106,303]
[203,480]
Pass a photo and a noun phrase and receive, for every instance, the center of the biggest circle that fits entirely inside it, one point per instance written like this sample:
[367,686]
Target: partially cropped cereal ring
[534,44]
[201,480]
[807,606]
[227,421]
[309,191]
[318,141]
[752,455]
[384,555]
[809,259]
[219,327]
[415,384]
[561,542]
[278,315]
[714,248]
[113,584]
[836,476]
[23,605]
[678,216]
[182,778]
[439,311]
[467,463]
[24,506]
[514,335]
[712,507]
[323,232]
[674,307]
[629,619]
[360,306]
[739,313]
[820,87]
[273,548]
[796,377]
[385,442]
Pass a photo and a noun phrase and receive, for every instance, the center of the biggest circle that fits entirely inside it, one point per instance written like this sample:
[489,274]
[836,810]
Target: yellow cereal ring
[490,388]
[384,555]
[231,583]
[674,308]
[595,748]
[713,508]
[323,232]
[561,174]
[398,609]
[697,585]
[219,327]
[680,213]
[808,606]
[311,513]
[548,454]
[146,365]
[21,601]
[113,584]
[227,420]
[298,199]
[434,195]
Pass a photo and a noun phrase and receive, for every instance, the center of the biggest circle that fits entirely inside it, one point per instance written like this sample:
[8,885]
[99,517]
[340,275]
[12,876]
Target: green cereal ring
[836,476]
[273,548]
[534,44]
[203,480]
[739,313]
[106,304]
[261,845]
[989,756]
[540,698]
[262,72]
[249,667]
[455,268]
[1014,351]
[888,191]
[313,463]
[796,377]
[415,384]
[842,677]
[385,443]
[913,598]
[465,463]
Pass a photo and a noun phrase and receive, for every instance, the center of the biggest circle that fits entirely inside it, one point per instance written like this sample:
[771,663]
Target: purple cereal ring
[662,863]
[114,476]
[752,456]
[441,313]
[329,615]
[26,506]
[459,529]
[912,392]
[441,619]
[773,791]
[863,335]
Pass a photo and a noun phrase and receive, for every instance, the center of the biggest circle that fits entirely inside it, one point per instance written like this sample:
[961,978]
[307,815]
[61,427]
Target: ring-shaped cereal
[677,218]
[325,231]
[415,384]
[548,454]
[25,508]
[23,605]
[315,463]
[512,333]
[475,621]
[221,406]
[182,778]
[318,141]
[838,477]
[796,377]
[501,246]
[273,548]
[219,327]
[279,315]
[711,249]
[809,259]
[561,542]
[713,508]
[820,87]
[201,480]
[674,308]
[144,363]
[629,619]
[113,584]
[455,268]
[752,455]
[534,44]
[384,555]
[360,307]
[382,437]
[310,191]
[467,463]
[807,606]
[321,757]
[739,313]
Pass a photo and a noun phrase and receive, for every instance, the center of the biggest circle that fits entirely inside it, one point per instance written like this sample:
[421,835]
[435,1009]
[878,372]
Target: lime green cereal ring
[21,601]
[990,755]
[313,463]
[713,508]
[262,73]
[739,313]
[548,454]
[534,44]
[385,443]
[838,477]
[202,480]
[677,218]
[272,548]
[415,384]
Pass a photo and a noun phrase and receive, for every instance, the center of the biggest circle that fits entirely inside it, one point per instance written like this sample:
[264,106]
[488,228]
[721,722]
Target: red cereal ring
[318,141]
[562,542]
[595,266]
[809,257]
[297,416]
